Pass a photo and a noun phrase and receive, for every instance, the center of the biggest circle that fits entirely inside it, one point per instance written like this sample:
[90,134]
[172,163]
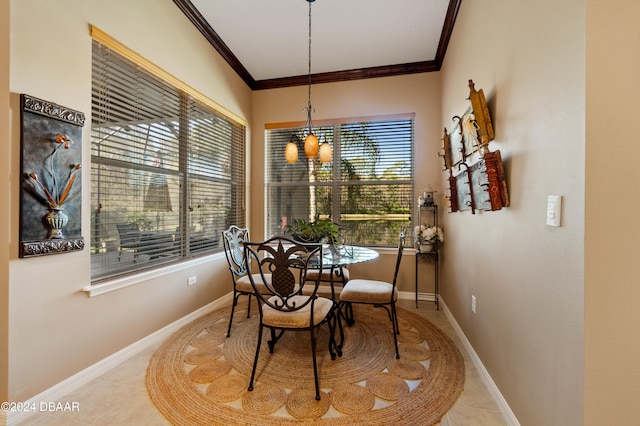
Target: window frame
[182,241]
[336,183]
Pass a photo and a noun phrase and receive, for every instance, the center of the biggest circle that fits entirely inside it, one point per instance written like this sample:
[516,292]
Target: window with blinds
[367,188]
[167,171]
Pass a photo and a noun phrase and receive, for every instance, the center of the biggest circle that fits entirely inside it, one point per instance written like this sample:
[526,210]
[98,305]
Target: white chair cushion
[312,275]
[297,319]
[244,284]
[368,291]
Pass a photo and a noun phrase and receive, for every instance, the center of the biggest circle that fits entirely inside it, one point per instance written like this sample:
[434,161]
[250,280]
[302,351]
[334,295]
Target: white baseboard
[57,392]
[410,295]
[482,371]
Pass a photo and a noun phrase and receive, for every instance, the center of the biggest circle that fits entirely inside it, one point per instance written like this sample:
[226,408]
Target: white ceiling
[269,38]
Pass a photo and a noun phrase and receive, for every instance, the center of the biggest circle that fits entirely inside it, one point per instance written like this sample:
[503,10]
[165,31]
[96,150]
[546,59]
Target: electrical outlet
[192,280]
[473,304]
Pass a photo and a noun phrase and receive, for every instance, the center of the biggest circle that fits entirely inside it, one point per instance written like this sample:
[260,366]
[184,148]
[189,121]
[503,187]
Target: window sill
[119,283]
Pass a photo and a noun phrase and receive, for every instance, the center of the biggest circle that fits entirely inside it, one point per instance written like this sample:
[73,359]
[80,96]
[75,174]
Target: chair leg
[274,338]
[255,361]
[233,308]
[384,306]
[315,365]
[331,322]
[394,324]
[348,316]
[272,342]
[395,318]
[338,321]
[249,306]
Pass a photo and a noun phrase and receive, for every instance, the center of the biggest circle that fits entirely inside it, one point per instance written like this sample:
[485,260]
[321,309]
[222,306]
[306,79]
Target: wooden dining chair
[288,309]
[233,240]
[377,293]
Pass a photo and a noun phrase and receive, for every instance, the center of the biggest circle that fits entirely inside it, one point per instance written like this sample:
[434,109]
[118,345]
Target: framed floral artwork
[51,184]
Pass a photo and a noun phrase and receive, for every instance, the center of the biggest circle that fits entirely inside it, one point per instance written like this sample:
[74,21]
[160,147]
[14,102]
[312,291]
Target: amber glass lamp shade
[291,152]
[311,146]
[325,153]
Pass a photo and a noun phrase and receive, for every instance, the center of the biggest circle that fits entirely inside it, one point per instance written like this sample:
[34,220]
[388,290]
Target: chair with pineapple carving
[288,308]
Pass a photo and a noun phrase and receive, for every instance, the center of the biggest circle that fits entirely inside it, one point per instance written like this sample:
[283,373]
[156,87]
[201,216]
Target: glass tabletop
[335,256]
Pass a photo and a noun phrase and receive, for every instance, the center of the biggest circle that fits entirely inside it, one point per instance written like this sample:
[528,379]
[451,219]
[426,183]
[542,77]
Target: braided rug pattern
[200,377]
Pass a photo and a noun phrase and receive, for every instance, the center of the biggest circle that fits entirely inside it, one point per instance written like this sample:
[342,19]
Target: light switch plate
[554,208]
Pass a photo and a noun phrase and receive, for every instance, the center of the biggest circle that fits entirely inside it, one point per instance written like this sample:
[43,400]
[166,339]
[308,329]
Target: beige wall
[54,329]
[612,243]
[529,59]
[418,93]
[5,175]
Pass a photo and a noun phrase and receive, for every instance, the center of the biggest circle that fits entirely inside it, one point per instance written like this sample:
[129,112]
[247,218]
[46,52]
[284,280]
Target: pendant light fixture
[291,152]
[311,148]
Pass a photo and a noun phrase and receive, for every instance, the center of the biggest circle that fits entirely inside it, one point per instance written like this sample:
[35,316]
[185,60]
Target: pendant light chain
[309,52]
[311,146]
[309,124]
[311,141]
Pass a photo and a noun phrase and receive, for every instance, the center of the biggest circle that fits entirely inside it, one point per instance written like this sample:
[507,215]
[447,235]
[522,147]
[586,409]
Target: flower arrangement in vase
[427,236]
[53,190]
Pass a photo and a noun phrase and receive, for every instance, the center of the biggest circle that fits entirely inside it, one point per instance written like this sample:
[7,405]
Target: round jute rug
[200,377]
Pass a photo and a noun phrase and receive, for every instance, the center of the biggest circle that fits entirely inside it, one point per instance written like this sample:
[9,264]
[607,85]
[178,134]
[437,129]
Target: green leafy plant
[313,232]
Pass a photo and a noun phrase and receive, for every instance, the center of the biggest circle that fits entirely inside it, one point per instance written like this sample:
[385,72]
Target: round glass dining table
[335,257]
[338,256]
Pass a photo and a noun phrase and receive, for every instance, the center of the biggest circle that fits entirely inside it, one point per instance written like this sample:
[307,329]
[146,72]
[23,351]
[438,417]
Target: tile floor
[119,397]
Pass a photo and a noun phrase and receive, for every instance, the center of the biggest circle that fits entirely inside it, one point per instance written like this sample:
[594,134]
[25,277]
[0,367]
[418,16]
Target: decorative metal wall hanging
[476,175]
[51,187]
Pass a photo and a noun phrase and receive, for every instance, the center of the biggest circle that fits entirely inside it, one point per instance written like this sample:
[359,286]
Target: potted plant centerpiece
[319,230]
[427,236]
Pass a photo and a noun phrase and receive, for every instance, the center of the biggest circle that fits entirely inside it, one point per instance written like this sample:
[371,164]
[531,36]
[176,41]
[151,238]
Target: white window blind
[167,171]
[367,188]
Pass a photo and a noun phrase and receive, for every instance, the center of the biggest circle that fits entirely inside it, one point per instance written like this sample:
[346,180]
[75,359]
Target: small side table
[427,255]
[428,214]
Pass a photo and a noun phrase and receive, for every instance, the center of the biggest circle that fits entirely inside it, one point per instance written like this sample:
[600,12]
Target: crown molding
[329,77]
